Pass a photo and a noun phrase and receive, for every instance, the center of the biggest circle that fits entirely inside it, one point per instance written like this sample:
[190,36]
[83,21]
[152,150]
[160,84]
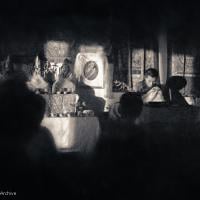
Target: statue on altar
[37,81]
[53,77]
[65,81]
[53,81]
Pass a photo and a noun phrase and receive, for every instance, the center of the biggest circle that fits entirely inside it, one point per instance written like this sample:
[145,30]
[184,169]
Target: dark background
[25,26]
[178,16]
[181,18]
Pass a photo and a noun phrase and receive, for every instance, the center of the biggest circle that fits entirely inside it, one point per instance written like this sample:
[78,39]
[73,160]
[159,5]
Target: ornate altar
[55,83]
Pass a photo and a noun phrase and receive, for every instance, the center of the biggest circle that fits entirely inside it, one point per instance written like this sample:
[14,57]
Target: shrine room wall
[184,60]
[27,40]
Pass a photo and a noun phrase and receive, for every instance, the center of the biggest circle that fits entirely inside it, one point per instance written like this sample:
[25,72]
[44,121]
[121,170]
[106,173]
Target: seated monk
[149,87]
[65,80]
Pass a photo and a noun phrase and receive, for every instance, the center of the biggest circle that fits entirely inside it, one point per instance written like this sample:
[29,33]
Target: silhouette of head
[21,109]
[176,82]
[87,94]
[130,105]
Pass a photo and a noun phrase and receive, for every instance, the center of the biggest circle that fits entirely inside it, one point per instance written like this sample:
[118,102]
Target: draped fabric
[153,95]
[74,133]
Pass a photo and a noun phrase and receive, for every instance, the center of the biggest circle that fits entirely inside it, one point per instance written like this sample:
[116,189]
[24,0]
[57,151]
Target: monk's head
[151,76]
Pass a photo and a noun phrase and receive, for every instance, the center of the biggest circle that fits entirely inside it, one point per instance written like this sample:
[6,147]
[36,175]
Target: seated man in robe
[149,87]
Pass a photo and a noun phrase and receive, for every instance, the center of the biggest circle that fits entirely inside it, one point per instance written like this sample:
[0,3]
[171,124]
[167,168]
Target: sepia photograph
[100,99]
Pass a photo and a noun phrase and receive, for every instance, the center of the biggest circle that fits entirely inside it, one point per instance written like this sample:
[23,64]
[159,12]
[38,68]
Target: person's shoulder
[114,111]
[44,140]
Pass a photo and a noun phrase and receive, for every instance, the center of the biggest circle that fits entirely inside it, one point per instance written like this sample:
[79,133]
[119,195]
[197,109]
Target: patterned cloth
[60,103]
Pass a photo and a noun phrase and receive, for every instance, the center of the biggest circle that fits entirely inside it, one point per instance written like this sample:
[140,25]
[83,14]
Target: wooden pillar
[108,77]
[162,56]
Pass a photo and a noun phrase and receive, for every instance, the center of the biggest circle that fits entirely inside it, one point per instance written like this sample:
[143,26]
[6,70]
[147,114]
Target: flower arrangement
[120,86]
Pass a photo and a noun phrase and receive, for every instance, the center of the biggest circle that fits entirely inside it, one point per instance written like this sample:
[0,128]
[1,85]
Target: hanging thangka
[120,75]
[137,64]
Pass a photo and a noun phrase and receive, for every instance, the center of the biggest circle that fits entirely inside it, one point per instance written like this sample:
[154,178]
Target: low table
[170,114]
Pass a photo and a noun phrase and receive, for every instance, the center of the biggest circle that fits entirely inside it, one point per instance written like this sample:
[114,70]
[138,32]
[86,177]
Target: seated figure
[65,80]
[149,87]
[173,86]
[129,107]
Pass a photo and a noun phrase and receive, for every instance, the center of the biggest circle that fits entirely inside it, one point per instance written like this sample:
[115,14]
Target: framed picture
[89,69]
